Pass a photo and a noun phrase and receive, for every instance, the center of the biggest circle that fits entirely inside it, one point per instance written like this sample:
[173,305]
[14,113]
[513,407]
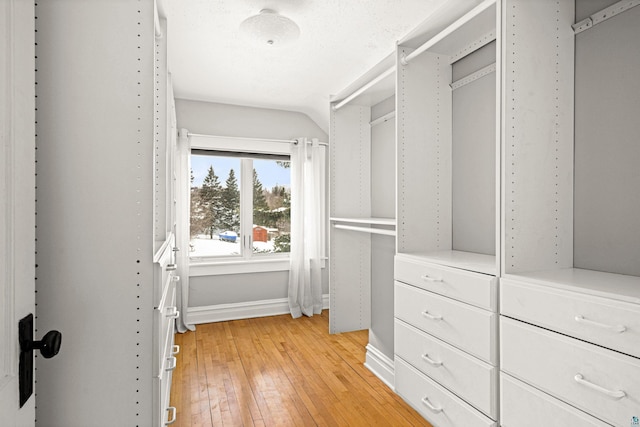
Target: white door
[17,198]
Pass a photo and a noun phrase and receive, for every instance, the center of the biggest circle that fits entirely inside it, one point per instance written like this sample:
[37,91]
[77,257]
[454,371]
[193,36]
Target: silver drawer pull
[172,312]
[172,363]
[430,361]
[434,409]
[431,316]
[616,394]
[427,278]
[172,419]
[175,349]
[615,328]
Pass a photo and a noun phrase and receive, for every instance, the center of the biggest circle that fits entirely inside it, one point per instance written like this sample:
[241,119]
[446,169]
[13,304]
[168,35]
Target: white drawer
[470,378]
[609,323]
[163,413]
[597,380]
[464,326]
[164,324]
[524,406]
[473,288]
[439,406]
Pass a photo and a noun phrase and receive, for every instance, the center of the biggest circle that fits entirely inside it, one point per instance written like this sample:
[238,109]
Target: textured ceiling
[339,41]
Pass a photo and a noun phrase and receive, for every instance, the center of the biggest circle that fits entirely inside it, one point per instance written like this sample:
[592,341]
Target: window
[239,204]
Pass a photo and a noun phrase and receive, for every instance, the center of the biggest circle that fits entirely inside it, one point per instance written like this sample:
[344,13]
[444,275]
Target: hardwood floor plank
[279,371]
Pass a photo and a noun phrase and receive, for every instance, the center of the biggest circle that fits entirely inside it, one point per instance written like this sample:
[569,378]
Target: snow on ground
[202,245]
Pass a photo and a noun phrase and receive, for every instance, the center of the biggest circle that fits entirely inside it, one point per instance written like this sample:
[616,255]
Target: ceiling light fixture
[270,28]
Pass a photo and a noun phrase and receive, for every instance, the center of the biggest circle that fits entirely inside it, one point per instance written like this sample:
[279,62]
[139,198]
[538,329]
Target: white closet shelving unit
[570,293]
[165,277]
[105,148]
[448,149]
[447,192]
[362,213]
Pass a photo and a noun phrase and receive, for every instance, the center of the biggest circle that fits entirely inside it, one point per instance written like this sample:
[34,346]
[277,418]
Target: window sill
[215,268]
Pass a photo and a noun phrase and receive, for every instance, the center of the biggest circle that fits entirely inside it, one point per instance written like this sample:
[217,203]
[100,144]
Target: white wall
[232,120]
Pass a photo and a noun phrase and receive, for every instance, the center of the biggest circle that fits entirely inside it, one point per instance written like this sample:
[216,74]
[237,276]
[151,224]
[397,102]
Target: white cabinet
[570,286]
[449,342]
[165,314]
[517,182]
[446,291]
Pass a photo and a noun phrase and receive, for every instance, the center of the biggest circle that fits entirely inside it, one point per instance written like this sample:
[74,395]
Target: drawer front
[439,406]
[611,324]
[597,380]
[473,288]
[163,413]
[164,324]
[525,406]
[473,380]
[464,326]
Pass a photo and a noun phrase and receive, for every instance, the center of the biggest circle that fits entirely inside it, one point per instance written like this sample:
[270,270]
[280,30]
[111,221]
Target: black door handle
[49,346]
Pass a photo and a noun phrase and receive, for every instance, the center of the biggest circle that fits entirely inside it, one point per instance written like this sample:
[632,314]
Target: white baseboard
[380,365]
[242,310]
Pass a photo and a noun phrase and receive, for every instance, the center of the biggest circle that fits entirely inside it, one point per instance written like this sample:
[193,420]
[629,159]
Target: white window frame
[247,262]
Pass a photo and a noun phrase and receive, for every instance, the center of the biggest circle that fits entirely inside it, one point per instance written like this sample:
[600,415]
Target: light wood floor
[277,371]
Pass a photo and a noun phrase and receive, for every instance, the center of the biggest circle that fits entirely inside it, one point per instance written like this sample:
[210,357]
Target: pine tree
[196,214]
[260,206]
[230,201]
[210,195]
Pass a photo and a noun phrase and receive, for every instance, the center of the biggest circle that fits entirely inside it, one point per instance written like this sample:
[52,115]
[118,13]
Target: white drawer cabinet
[606,322]
[446,347]
[473,288]
[597,380]
[469,328]
[439,406]
[525,406]
[473,380]
[165,314]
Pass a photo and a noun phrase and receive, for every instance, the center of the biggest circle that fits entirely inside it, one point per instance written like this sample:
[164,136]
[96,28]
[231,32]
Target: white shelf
[388,222]
[609,285]
[370,221]
[479,263]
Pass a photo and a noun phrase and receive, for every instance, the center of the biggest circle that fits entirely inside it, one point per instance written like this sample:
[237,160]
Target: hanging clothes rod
[604,14]
[242,138]
[404,60]
[358,92]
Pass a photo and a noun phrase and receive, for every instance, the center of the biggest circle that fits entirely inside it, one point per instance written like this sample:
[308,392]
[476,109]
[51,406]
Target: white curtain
[307,224]
[183,170]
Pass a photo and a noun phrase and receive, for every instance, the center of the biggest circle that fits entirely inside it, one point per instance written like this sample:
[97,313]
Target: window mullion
[246,208]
